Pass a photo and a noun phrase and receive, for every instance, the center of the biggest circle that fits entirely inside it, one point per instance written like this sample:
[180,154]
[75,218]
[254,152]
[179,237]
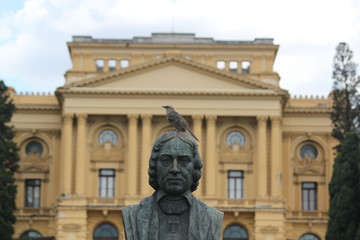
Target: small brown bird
[177,121]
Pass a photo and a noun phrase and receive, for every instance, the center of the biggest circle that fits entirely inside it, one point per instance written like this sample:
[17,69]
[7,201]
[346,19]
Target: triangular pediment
[172,73]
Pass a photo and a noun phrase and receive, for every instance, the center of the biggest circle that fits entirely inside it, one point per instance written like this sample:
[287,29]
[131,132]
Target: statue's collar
[187,195]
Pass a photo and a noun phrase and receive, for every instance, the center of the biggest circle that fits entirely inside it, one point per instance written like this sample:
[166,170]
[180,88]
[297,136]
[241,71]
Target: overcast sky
[33,33]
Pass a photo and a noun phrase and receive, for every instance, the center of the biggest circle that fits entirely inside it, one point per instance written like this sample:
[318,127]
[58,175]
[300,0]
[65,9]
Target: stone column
[276,157]
[131,176]
[197,123]
[261,154]
[211,163]
[67,153]
[145,188]
[80,154]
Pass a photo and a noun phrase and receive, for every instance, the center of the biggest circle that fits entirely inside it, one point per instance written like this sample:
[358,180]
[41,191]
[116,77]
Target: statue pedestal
[269,219]
[71,219]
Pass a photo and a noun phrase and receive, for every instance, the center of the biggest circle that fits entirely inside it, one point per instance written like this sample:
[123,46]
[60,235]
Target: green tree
[8,165]
[345,114]
[344,209]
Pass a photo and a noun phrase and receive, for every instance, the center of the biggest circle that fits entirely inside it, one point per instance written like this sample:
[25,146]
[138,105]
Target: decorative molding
[71,227]
[269,229]
[302,111]
[170,92]
[37,108]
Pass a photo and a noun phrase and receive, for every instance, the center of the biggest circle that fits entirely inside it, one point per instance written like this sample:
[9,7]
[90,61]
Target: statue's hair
[167,136]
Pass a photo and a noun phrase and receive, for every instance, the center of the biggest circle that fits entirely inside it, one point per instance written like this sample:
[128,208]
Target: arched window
[34,147]
[235,232]
[106,231]
[309,236]
[235,137]
[108,135]
[308,150]
[30,234]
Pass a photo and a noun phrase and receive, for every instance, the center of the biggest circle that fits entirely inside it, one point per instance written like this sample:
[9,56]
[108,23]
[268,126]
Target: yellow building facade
[84,150]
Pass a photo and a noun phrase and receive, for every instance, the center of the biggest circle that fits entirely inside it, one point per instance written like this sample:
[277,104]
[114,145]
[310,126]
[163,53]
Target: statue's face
[175,167]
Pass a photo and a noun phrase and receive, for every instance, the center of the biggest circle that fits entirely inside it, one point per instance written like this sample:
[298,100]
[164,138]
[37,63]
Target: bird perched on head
[177,121]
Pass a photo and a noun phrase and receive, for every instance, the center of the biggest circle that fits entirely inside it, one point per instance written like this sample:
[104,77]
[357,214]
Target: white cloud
[35,57]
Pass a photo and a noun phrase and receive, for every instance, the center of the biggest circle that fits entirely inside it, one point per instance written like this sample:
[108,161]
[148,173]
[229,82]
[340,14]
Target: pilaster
[131,175]
[145,188]
[276,157]
[80,154]
[197,123]
[67,153]
[261,155]
[210,163]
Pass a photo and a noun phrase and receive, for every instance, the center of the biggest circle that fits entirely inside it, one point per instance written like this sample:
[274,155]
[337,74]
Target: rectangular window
[124,63]
[112,65]
[233,66]
[220,65]
[99,65]
[309,196]
[245,67]
[106,183]
[236,184]
[32,193]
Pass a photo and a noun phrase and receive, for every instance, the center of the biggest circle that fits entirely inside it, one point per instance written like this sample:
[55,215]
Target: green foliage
[344,209]
[346,108]
[8,165]
[344,187]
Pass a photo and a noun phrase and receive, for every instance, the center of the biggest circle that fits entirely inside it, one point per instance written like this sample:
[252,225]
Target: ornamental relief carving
[236,146]
[34,155]
[34,162]
[106,145]
[309,159]
[309,166]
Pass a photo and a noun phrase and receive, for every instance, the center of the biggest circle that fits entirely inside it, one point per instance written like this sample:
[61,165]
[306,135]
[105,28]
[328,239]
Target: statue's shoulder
[212,212]
[146,202]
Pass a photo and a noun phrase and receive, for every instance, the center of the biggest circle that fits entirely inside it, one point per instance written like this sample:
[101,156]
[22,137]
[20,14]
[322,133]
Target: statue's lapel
[143,217]
[199,222]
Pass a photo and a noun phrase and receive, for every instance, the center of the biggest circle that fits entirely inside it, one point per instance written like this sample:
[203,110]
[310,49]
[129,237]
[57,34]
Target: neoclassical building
[84,149]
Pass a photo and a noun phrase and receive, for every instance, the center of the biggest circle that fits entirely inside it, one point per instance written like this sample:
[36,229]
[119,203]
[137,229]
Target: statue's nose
[175,167]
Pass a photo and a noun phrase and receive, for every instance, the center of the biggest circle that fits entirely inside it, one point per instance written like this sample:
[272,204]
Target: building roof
[172,38]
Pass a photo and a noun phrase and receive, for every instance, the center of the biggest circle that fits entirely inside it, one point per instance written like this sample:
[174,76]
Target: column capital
[211,117]
[262,118]
[133,116]
[68,117]
[81,115]
[197,117]
[145,117]
[275,118]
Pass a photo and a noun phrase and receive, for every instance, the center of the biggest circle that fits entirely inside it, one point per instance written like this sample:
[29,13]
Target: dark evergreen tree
[8,165]
[344,209]
[344,189]
[345,114]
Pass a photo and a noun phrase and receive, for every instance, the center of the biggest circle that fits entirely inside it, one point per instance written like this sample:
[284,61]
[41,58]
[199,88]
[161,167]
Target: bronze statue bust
[172,212]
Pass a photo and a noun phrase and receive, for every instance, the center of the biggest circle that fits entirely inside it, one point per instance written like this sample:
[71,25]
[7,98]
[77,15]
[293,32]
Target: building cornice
[168,92]
[306,111]
[38,108]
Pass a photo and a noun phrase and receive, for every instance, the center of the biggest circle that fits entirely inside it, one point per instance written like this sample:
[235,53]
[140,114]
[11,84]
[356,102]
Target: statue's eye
[165,160]
[184,161]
